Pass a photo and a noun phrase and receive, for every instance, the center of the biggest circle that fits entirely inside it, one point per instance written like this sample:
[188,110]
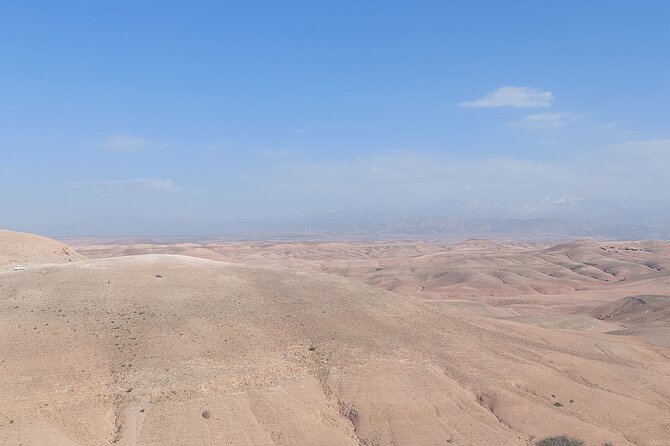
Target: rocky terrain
[400,343]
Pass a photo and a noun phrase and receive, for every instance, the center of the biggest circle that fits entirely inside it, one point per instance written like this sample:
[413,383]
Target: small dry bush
[560,440]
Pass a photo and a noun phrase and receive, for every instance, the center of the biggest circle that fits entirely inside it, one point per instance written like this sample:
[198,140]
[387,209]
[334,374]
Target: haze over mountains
[548,219]
[553,218]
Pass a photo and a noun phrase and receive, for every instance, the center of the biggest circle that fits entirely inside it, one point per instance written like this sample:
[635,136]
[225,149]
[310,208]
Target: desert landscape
[362,343]
[307,223]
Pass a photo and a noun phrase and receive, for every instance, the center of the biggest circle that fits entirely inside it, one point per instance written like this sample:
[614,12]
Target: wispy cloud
[547,120]
[124,143]
[513,97]
[633,169]
[140,185]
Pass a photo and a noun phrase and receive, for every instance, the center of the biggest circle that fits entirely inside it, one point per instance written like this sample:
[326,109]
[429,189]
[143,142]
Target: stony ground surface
[363,344]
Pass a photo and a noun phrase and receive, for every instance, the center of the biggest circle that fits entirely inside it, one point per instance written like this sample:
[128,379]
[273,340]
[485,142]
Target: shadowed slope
[636,309]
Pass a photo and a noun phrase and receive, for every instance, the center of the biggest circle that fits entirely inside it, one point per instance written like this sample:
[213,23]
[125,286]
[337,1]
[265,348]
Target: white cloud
[634,169]
[140,185]
[124,143]
[547,120]
[513,97]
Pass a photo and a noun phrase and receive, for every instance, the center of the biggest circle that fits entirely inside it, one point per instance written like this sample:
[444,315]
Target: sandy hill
[644,316]
[636,309]
[21,248]
[173,350]
[470,269]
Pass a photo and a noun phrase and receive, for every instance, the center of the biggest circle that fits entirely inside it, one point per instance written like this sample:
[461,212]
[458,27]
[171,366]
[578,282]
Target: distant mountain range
[547,219]
[553,218]
[564,208]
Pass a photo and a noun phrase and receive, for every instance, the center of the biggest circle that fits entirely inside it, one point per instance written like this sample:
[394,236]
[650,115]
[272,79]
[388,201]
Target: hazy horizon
[309,223]
[161,118]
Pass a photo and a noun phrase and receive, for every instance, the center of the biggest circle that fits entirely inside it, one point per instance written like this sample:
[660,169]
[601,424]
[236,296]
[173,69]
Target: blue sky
[149,112]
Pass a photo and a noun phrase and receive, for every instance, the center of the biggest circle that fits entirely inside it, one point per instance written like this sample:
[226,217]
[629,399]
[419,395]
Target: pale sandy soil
[17,248]
[406,343]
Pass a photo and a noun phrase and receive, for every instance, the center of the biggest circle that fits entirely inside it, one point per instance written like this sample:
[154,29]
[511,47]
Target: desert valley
[133,342]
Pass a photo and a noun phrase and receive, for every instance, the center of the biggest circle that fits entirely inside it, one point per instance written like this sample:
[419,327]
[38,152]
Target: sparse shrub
[206,415]
[557,404]
[560,440]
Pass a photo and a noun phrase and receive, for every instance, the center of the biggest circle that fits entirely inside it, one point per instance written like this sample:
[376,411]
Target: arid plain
[393,343]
